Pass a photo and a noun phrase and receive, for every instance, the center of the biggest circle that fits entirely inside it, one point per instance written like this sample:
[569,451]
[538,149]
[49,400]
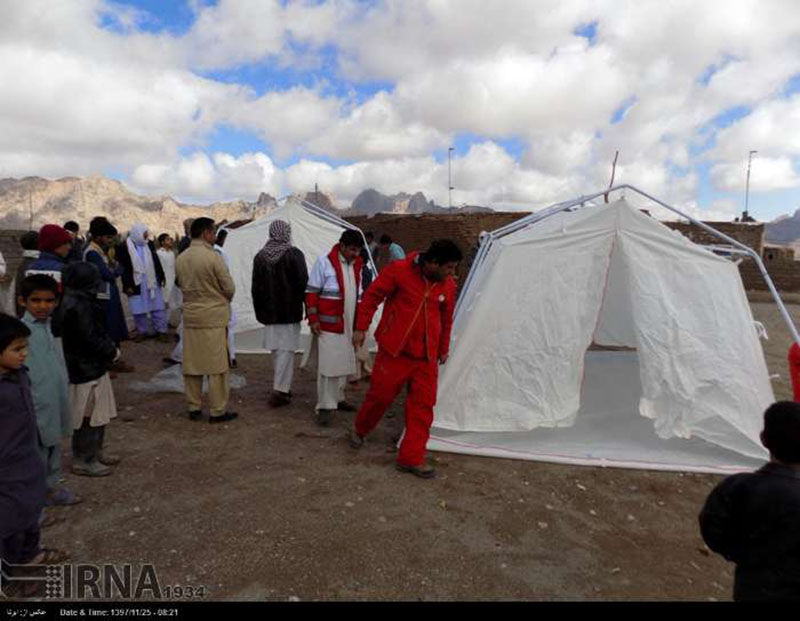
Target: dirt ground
[272,507]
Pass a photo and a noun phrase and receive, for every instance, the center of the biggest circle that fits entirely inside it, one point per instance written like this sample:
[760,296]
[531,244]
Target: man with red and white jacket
[413,339]
[332,296]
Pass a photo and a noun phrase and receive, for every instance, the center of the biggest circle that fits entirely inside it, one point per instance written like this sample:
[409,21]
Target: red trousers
[389,375]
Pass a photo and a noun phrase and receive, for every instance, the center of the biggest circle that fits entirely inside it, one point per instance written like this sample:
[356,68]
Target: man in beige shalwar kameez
[207,289]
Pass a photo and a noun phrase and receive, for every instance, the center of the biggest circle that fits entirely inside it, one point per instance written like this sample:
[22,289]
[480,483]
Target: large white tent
[684,390]
[314,231]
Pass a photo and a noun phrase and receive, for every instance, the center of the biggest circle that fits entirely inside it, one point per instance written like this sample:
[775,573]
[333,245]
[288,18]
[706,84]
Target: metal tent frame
[333,219]
[490,238]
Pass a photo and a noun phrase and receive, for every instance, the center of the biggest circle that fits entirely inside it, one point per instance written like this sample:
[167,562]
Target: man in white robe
[331,302]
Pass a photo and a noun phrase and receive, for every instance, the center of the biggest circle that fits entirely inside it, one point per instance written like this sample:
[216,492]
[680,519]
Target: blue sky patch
[792,86]
[625,106]
[235,141]
[728,117]
[587,31]
[173,17]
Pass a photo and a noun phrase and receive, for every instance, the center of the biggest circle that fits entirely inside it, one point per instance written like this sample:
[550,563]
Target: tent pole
[747,250]
[333,218]
[516,226]
[559,207]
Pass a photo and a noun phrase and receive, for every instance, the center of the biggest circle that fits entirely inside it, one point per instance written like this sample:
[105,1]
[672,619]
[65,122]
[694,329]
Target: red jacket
[418,313]
[325,304]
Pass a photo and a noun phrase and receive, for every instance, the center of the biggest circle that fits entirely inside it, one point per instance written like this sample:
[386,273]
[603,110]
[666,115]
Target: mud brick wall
[771,253]
[416,232]
[12,253]
[784,273]
[750,234]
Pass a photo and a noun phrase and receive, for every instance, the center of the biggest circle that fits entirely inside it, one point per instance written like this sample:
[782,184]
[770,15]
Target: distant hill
[371,202]
[784,229]
[33,201]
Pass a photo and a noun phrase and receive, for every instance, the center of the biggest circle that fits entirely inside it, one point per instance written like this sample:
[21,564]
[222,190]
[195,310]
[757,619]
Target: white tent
[687,390]
[314,231]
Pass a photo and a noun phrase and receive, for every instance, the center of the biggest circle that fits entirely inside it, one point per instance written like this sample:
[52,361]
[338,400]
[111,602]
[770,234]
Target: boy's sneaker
[62,496]
[90,469]
[195,414]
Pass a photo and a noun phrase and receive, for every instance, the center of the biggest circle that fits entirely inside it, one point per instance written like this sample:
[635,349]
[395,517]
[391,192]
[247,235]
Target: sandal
[49,556]
[62,496]
[49,520]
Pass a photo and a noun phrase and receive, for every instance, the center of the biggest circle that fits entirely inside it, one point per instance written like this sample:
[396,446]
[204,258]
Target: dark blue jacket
[22,482]
[48,263]
[753,519]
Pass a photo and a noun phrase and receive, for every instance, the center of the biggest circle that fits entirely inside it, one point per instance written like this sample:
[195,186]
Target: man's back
[753,520]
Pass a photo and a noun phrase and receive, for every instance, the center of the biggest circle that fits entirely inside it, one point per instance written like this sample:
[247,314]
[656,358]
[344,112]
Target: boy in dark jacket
[753,519]
[278,290]
[22,477]
[55,245]
[89,352]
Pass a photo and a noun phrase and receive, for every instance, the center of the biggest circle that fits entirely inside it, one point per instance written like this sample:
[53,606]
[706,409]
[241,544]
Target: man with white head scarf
[142,280]
[280,275]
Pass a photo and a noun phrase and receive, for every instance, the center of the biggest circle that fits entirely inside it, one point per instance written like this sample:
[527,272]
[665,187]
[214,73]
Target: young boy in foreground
[39,296]
[753,519]
[22,481]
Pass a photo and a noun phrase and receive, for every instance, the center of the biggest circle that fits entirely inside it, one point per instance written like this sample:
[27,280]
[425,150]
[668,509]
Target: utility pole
[450,177]
[746,215]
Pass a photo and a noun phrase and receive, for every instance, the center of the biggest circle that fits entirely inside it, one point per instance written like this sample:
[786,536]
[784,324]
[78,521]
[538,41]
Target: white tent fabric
[613,275]
[311,233]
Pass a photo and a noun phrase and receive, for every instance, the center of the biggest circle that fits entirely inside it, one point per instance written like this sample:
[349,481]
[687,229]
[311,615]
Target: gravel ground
[272,507]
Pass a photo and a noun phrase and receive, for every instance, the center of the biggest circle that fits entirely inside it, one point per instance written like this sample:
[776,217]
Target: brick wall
[415,232]
[751,234]
[12,253]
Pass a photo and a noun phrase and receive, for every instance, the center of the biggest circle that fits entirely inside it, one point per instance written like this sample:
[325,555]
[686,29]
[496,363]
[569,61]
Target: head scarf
[280,240]
[137,234]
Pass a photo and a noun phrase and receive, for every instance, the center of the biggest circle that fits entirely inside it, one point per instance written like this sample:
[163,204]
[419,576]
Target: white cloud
[200,178]
[767,174]
[79,99]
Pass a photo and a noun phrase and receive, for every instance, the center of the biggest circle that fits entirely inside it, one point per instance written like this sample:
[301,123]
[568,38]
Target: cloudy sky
[218,100]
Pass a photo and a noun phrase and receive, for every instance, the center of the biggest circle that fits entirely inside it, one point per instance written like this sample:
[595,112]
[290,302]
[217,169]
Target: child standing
[753,519]
[89,352]
[22,482]
[48,375]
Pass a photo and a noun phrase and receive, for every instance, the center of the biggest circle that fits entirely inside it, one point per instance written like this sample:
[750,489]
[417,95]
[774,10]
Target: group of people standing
[58,356]
[418,297]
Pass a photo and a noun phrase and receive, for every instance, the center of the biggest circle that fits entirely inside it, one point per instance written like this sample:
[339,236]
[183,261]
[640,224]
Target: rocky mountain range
[370,202]
[784,229]
[33,201]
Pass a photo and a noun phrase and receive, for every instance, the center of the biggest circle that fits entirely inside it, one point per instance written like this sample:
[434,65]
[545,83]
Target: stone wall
[12,253]
[415,232]
[750,234]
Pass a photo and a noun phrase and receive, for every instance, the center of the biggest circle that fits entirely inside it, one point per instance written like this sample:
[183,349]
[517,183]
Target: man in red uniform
[413,338]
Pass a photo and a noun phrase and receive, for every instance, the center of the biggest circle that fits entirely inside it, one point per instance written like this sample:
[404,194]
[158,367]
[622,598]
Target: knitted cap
[51,236]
